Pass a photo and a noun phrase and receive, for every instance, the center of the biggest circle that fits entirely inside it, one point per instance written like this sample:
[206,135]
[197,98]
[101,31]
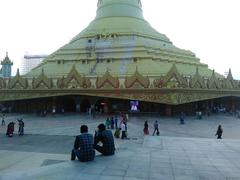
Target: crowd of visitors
[103,141]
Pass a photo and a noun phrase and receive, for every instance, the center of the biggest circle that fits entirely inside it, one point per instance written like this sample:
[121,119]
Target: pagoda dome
[121,17]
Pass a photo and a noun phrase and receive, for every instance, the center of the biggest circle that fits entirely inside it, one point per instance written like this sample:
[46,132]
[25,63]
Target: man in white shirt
[123,129]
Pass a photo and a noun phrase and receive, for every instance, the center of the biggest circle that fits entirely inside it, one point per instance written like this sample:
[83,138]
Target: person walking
[145,130]
[107,123]
[156,128]
[112,122]
[182,118]
[21,127]
[3,120]
[10,129]
[116,122]
[123,130]
[219,132]
[117,133]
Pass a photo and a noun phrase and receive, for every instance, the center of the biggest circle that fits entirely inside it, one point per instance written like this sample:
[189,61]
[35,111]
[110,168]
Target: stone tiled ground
[185,152]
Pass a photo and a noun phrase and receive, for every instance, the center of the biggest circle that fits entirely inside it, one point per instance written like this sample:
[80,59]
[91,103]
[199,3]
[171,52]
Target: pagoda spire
[6,63]
[6,60]
[230,76]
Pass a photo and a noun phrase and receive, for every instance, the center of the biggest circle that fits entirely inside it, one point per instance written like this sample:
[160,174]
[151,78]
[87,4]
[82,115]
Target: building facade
[30,62]
[118,61]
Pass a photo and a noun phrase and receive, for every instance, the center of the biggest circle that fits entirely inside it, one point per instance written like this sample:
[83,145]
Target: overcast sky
[209,28]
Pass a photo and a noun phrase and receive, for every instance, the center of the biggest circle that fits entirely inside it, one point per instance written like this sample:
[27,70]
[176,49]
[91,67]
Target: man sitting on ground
[106,137]
[83,146]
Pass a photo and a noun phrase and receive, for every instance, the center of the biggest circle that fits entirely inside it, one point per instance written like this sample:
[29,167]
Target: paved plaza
[189,151]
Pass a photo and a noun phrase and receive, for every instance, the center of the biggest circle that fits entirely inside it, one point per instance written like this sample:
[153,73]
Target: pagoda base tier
[108,105]
[163,96]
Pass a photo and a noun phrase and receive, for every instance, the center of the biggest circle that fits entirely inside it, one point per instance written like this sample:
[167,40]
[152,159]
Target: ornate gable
[42,81]
[197,81]
[75,80]
[2,83]
[107,81]
[18,82]
[229,82]
[213,82]
[137,80]
[173,79]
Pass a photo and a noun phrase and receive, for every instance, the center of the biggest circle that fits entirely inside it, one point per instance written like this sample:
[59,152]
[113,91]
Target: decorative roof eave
[197,79]
[107,79]
[137,78]
[213,82]
[230,80]
[230,76]
[42,79]
[74,75]
[17,80]
[173,72]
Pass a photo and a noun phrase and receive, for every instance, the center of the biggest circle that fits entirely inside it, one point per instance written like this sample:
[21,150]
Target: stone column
[233,107]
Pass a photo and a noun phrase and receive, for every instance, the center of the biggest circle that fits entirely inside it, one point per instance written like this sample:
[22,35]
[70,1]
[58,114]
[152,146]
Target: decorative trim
[137,78]
[173,79]
[197,81]
[107,79]
[158,83]
[213,83]
[229,82]
[75,80]
[18,82]
[42,79]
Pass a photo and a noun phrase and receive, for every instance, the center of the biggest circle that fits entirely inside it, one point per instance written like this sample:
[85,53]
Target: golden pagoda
[118,59]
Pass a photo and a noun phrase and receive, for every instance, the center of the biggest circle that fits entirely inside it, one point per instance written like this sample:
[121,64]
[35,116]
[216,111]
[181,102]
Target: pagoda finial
[230,71]
[229,76]
[125,8]
[6,54]
[18,73]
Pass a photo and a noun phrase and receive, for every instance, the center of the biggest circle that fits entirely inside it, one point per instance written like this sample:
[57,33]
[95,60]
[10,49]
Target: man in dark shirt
[83,146]
[106,137]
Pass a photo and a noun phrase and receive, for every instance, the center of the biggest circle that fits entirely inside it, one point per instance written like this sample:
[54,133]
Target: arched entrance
[67,103]
[85,105]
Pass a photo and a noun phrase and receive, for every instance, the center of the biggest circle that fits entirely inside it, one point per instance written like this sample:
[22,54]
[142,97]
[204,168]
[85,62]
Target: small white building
[31,61]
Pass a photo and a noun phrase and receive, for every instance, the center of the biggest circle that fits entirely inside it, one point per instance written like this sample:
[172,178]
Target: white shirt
[123,127]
